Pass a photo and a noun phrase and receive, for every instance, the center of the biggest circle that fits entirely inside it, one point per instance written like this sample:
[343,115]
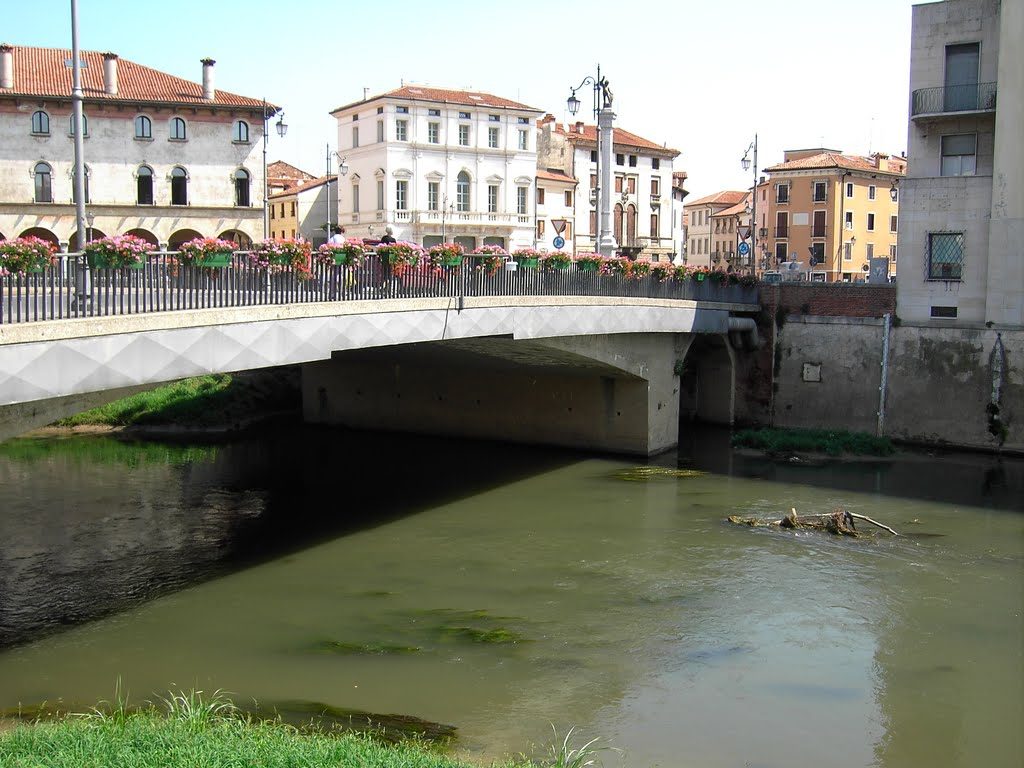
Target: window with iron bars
[945,257]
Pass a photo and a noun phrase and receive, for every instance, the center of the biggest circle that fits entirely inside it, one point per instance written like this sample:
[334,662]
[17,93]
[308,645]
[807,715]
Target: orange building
[830,213]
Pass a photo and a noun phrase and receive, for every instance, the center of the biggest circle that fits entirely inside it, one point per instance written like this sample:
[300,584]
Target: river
[508,589]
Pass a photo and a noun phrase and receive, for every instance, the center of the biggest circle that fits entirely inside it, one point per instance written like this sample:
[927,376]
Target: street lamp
[282,129]
[894,193]
[745,163]
[604,117]
[342,171]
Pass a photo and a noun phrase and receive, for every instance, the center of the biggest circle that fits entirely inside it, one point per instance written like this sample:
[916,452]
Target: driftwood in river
[838,522]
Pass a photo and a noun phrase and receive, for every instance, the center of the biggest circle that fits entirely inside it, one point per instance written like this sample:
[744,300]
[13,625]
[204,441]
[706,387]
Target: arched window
[240,132]
[462,191]
[178,129]
[43,180]
[143,127]
[242,188]
[144,185]
[71,125]
[88,173]
[179,186]
[40,123]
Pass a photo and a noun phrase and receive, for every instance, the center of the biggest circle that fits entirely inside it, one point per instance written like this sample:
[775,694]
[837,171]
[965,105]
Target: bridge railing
[70,289]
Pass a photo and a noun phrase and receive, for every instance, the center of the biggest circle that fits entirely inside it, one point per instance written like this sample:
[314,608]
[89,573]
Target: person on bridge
[331,279]
[385,264]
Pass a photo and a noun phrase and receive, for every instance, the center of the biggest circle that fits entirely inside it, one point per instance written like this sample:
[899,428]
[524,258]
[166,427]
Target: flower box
[26,255]
[587,266]
[451,261]
[118,252]
[106,261]
[446,254]
[206,252]
[217,260]
[529,262]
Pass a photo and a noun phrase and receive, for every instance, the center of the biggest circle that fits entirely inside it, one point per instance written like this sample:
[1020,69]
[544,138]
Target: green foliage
[93,449]
[832,442]
[565,755]
[194,401]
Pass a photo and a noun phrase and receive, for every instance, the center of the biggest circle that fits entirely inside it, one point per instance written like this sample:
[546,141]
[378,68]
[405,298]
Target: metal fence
[71,289]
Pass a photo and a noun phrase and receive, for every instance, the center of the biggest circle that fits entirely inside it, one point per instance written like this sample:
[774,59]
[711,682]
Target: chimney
[579,126]
[6,65]
[110,73]
[208,92]
[548,118]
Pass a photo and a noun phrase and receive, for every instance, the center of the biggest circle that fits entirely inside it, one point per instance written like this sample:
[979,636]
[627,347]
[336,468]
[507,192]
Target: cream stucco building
[962,205]
[165,158]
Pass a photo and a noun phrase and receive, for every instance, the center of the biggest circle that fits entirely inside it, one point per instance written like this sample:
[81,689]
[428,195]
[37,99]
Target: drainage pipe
[743,333]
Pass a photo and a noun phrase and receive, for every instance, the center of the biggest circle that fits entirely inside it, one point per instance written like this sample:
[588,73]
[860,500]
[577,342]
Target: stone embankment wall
[826,357]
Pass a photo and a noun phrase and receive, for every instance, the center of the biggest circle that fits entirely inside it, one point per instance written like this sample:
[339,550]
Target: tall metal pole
[599,234]
[266,210]
[753,211]
[328,191]
[81,277]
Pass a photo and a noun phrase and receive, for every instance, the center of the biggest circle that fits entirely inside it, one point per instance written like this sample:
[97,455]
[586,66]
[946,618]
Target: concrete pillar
[1005,295]
[606,245]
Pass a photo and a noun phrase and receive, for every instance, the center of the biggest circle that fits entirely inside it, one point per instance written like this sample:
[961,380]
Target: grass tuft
[831,442]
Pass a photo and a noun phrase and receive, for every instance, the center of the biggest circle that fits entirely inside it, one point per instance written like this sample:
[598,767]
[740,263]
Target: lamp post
[745,164]
[342,171]
[894,193]
[282,129]
[604,117]
[446,208]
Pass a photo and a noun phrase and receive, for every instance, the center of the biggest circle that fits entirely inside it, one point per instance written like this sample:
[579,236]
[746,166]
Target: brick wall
[831,299]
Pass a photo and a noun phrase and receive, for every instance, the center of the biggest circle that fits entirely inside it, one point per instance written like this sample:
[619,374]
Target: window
[402,195]
[961,77]
[593,155]
[464,116]
[282,210]
[494,118]
[945,255]
[177,132]
[656,163]
[870,251]
[433,133]
[818,228]
[618,184]
[871,191]
[492,137]
[847,251]
[355,136]
[540,196]
[463,135]
[568,198]
[179,184]
[434,112]
[567,234]
[782,193]
[380,194]
[462,191]
[293,209]
[871,222]
[380,110]
[817,253]
[492,198]
[40,123]
[43,176]
[631,185]
[593,223]
[272,217]
[959,154]
[540,228]
[144,185]
[632,161]
[894,223]
[433,195]
[380,131]
[656,186]
[239,132]
[620,159]
[820,191]
[143,127]
[849,189]
[521,195]
[355,198]
[402,110]
[71,125]
[654,225]
[781,224]
[848,219]
[401,130]
[780,252]
[892,253]
[242,188]
[524,139]
[593,181]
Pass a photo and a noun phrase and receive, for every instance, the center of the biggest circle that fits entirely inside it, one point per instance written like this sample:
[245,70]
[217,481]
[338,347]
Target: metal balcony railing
[974,97]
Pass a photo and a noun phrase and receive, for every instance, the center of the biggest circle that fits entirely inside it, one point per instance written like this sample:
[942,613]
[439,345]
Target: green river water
[506,589]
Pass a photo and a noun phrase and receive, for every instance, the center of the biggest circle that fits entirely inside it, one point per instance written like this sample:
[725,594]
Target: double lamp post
[604,116]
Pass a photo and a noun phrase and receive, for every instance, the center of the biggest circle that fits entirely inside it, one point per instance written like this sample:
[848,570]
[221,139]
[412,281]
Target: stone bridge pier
[617,392]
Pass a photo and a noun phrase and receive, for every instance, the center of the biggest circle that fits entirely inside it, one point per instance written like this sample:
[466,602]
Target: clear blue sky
[701,77]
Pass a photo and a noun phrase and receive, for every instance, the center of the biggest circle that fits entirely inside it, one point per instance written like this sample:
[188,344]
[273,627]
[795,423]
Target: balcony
[473,219]
[933,103]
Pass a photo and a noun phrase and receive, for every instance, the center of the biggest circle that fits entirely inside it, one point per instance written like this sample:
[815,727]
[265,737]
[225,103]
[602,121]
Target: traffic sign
[744,249]
[558,242]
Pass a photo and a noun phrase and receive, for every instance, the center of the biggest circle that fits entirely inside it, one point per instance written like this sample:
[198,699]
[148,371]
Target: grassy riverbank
[193,733]
[828,441]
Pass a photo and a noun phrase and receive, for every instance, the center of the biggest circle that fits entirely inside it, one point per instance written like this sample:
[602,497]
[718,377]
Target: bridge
[544,356]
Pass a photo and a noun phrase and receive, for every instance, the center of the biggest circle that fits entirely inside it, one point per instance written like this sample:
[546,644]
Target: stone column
[607,245]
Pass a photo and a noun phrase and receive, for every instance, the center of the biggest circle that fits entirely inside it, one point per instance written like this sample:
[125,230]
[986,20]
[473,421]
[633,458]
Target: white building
[556,211]
[962,203]
[439,165]
[642,201]
[165,158]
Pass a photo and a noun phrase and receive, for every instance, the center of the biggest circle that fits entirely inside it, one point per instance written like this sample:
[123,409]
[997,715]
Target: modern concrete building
[165,158]
[437,164]
[700,232]
[962,229]
[831,213]
[556,211]
[641,185]
[301,210]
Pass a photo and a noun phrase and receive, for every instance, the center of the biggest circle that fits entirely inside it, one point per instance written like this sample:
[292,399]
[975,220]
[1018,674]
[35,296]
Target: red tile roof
[281,170]
[620,137]
[727,197]
[553,175]
[827,160]
[41,72]
[303,187]
[740,207]
[445,96]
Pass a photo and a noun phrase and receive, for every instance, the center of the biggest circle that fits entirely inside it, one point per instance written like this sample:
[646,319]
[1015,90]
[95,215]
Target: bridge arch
[707,381]
[181,236]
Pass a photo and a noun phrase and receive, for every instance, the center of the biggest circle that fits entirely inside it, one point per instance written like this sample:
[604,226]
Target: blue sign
[744,249]
[558,242]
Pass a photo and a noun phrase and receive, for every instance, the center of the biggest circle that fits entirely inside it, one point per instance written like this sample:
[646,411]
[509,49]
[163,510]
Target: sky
[701,77]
